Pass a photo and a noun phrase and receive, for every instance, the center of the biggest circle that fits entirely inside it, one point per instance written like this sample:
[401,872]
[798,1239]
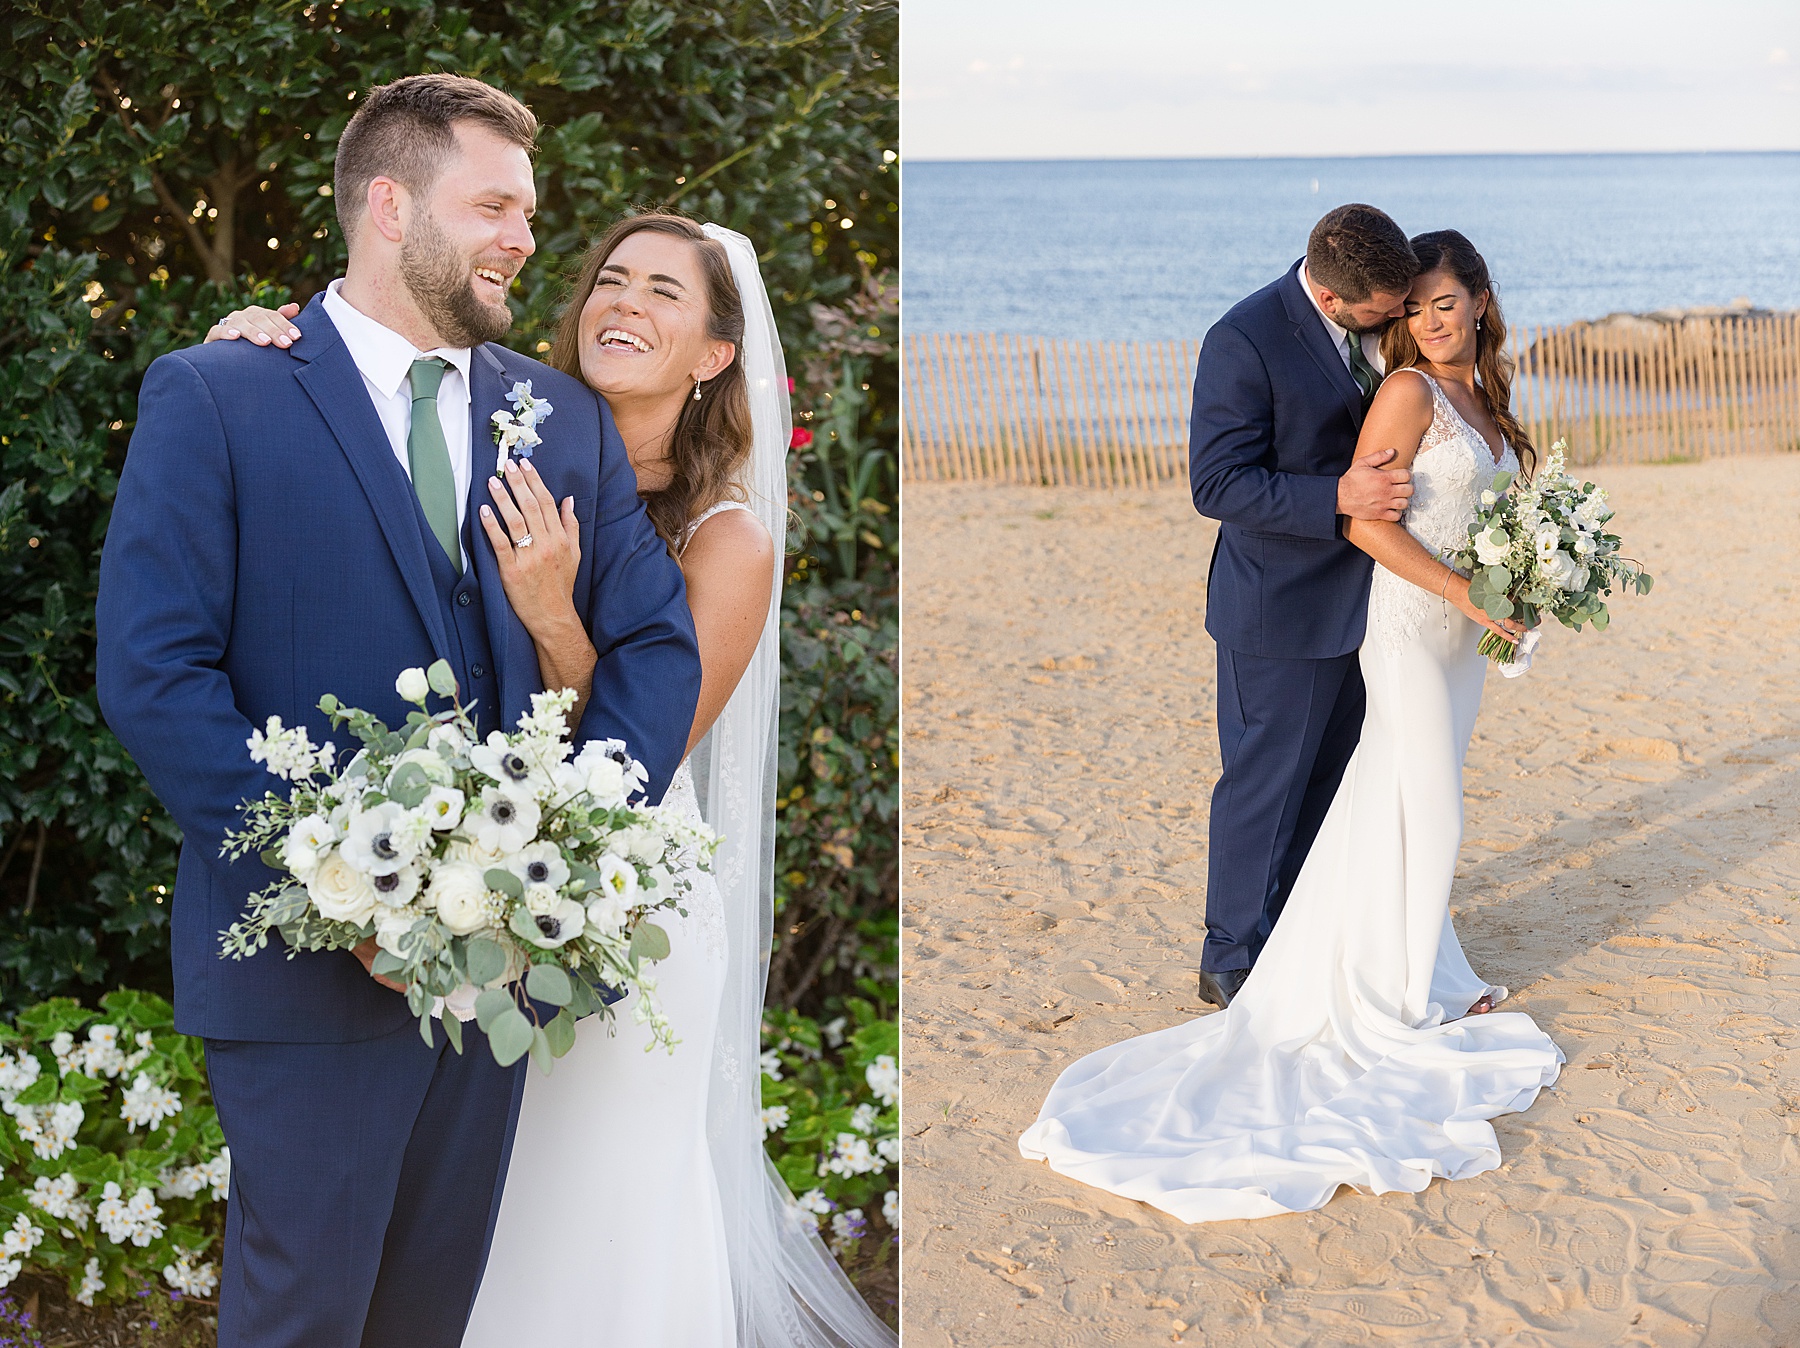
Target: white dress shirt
[385,359]
[1371,341]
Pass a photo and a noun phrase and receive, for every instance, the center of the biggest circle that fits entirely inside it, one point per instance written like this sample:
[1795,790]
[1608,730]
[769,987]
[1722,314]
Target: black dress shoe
[1221,987]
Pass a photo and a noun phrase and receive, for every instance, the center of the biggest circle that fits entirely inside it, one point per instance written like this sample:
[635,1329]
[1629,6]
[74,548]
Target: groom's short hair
[406,131]
[1356,250]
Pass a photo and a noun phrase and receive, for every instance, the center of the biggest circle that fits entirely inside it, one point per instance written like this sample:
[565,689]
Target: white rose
[504,820]
[1488,499]
[412,685]
[1491,547]
[460,895]
[603,779]
[340,891]
[442,808]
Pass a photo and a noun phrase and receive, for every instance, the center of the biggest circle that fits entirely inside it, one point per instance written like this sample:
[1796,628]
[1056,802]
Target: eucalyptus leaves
[1544,549]
[496,876]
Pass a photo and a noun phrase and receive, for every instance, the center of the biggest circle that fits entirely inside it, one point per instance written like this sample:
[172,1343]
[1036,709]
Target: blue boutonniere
[517,430]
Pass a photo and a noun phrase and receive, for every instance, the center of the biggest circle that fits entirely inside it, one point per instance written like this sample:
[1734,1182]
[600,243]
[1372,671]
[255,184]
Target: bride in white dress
[640,1209]
[1360,1050]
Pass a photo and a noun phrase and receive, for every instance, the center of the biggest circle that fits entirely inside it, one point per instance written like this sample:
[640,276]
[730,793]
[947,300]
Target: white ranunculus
[602,777]
[396,889]
[558,920]
[436,768]
[412,685]
[307,841]
[381,841]
[504,819]
[460,895]
[1491,547]
[1488,499]
[390,925]
[541,863]
[442,808]
[1560,570]
[340,891]
[466,848]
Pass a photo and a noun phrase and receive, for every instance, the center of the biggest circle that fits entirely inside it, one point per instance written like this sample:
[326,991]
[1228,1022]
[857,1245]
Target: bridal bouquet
[492,873]
[1544,549]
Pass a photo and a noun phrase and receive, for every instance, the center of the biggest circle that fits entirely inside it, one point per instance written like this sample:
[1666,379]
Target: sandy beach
[1630,869]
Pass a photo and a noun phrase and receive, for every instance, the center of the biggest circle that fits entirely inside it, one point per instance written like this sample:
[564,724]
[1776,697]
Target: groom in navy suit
[1280,390]
[297,521]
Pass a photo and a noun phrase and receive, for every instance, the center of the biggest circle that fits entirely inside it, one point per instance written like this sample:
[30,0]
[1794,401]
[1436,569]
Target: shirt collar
[1339,334]
[383,355]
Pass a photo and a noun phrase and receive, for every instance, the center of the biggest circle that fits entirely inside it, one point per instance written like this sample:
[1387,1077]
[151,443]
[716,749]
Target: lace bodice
[693,525]
[1452,468]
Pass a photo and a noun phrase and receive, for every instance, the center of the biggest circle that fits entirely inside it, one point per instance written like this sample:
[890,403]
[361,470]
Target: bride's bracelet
[1444,589]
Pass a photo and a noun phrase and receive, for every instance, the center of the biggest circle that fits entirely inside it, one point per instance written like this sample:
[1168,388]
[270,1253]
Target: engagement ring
[525,542]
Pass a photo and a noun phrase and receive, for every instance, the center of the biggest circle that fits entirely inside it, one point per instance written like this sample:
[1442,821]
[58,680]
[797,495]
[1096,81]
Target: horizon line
[1397,154]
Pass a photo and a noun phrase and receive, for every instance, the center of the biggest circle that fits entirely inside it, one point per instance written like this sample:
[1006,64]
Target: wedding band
[525,542]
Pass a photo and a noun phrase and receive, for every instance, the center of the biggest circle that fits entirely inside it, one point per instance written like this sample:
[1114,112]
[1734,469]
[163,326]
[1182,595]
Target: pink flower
[802,438]
[790,383]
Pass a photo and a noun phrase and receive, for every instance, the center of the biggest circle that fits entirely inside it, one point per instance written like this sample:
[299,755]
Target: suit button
[477,671]
[462,599]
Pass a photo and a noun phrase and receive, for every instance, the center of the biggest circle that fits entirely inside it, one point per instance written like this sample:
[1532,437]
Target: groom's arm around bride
[292,522]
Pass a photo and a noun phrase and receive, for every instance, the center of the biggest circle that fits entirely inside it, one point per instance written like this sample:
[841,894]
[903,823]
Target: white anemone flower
[504,820]
[558,920]
[382,840]
[540,863]
[396,890]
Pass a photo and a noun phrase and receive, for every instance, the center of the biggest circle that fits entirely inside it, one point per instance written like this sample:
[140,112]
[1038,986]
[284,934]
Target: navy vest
[465,623]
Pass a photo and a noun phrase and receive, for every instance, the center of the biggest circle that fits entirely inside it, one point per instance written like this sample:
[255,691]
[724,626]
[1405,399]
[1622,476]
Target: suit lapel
[515,658]
[331,379]
[1312,335]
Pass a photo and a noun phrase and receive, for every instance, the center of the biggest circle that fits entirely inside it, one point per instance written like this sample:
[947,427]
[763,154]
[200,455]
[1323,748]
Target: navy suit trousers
[397,1150]
[1287,729]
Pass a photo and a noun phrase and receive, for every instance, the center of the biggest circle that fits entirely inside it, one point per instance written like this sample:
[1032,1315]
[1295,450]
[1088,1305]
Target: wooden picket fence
[997,408]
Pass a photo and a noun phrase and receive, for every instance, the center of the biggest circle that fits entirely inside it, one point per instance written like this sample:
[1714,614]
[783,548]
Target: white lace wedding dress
[611,1232]
[1344,1059]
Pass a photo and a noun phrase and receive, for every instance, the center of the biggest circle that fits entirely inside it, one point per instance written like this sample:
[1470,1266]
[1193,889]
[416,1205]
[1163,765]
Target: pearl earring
[696,390]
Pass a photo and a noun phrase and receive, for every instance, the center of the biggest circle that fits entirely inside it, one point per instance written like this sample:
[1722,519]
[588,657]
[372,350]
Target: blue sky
[1090,79]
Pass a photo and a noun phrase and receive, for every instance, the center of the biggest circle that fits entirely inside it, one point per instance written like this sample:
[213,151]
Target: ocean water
[1147,249]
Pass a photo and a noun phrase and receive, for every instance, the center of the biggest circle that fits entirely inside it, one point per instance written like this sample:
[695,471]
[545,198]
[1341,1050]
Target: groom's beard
[441,283]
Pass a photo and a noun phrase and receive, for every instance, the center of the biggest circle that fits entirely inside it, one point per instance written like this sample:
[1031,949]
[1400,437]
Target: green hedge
[160,164]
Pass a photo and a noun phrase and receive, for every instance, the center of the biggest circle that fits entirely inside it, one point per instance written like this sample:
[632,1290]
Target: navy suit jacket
[265,548]
[1276,416]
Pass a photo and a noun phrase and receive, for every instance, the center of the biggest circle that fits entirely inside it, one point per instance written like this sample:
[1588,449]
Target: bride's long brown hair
[713,436]
[1447,250]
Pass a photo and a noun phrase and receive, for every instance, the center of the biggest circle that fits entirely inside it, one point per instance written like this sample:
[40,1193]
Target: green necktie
[1360,369]
[429,457]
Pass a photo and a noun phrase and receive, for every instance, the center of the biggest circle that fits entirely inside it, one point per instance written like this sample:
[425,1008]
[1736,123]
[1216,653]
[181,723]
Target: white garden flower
[137,1220]
[1488,499]
[92,1284]
[501,760]
[461,897]
[504,820]
[190,1279]
[1546,540]
[340,891]
[60,1198]
[21,1238]
[883,1076]
[540,863]
[433,764]
[382,840]
[888,1149]
[548,718]
[443,807]
[447,737]
[890,1208]
[774,1118]
[618,877]
[771,1064]
[413,686]
[50,1129]
[864,1117]
[602,771]
[850,1155]
[148,1103]
[68,1057]
[191,1179]
[814,1203]
[396,890]
[17,1072]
